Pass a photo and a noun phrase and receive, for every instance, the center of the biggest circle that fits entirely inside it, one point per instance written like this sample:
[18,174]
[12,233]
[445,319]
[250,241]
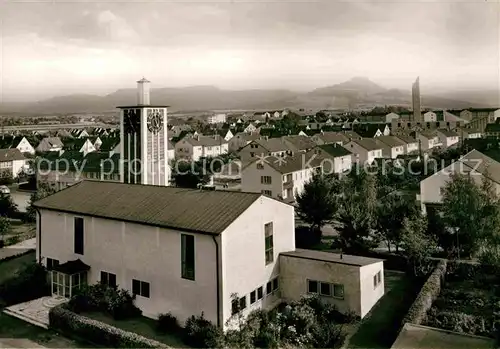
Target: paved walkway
[35,312]
[24,245]
[18,343]
[8,252]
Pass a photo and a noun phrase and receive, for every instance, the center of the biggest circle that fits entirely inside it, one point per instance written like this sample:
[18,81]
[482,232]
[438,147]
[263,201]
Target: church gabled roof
[208,212]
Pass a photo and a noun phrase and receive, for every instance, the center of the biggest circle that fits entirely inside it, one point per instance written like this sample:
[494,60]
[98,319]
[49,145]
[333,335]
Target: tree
[356,216]
[391,214]
[471,211]
[189,175]
[7,206]
[317,202]
[43,191]
[418,246]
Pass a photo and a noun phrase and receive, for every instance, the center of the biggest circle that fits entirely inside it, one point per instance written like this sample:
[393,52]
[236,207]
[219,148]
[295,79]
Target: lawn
[11,327]
[380,328]
[142,325]
[468,302]
[9,268]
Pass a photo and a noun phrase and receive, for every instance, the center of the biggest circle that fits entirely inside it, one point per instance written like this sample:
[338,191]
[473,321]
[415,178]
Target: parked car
[4,189]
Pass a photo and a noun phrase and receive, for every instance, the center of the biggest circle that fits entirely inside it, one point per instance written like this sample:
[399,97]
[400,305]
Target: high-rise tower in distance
[415,95]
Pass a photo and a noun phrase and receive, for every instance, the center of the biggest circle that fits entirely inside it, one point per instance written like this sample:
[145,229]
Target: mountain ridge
[353,93]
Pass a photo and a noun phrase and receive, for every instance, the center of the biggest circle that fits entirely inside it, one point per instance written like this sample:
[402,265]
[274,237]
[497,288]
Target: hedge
[65,321]
[428,294]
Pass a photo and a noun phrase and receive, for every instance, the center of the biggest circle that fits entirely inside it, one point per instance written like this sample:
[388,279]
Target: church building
[187,251]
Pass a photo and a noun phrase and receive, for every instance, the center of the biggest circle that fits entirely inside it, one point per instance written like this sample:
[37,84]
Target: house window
[140,288]
[377,279]
[325,289]
[312,286]
[243,302]
[52,263]
[268,228]
[234,307]
[338,291]
[275,284]
[108,279]
[265,179]
[260,166]
[267,192]
[187,255]
[260,293]
[269,288]
[78,232]
[252,154]
[253,298]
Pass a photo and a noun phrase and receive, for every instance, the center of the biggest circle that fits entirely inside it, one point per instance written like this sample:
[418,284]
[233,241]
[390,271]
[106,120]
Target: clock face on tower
[131,120]
[155,120]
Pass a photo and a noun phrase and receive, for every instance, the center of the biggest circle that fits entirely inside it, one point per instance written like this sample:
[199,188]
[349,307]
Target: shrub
[327,335]
[64,320]
[29,283]
[201,333]
[99,297]
[427,295]
[459,322]
[168,323]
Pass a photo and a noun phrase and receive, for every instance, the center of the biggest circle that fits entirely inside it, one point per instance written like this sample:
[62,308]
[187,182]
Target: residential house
[299,143]
[391,116]
[351,135]
[141,238]
[392,146]
[279,177]
[473,113]
[241,139]
[228,135]
[447,137]
[63,134]
[79,133]
[217,119]
[83,145]
[492,130]
[366,130]
[330,138]
[474,163]
[12,162]
[250,128]
[176,130]
[196,147]
[469,133]
[17,142]
[60,170]
[428,140]
[365,150]
[430,116]
[109,144]
[264,147]
[49,144]
[334,158]
[411,144]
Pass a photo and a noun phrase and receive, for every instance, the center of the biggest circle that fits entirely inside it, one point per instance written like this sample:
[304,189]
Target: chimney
[143,91]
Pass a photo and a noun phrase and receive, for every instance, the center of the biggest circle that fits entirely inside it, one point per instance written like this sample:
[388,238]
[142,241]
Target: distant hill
[353,93]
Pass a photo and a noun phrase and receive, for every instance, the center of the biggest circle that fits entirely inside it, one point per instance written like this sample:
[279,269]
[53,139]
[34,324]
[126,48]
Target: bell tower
[143,140]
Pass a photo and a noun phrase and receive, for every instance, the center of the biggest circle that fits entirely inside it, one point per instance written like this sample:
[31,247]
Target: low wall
[427,295]
[65,321]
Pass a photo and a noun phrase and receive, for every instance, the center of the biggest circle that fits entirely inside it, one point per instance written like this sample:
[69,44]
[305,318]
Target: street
[20,198]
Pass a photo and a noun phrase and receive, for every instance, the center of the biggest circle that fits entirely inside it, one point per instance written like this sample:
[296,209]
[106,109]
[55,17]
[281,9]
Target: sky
[50,48]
